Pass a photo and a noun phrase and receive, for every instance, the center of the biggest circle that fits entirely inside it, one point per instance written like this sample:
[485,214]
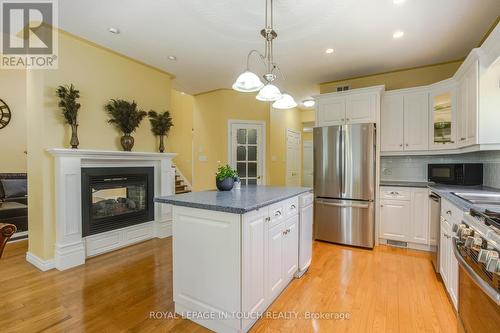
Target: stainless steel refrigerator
[344,184]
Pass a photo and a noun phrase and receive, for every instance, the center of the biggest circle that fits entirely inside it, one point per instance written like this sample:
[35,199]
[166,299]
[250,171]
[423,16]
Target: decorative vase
[225,185]
[162,145]
[74,136]
[127,142]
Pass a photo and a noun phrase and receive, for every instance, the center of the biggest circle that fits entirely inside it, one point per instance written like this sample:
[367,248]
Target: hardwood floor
[384,290]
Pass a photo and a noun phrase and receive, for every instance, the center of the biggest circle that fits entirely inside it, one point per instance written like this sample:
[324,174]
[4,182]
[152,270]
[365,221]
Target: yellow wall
[180,139]
[13,136]
[99,75]
[281,120]
[406,78]
[212,111]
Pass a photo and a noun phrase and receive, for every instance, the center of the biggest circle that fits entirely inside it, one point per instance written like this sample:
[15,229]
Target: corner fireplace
[114,198]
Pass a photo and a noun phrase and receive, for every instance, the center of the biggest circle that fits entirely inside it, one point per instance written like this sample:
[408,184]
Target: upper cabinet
[467,104]
[404,120]
[443,119]
[348,107]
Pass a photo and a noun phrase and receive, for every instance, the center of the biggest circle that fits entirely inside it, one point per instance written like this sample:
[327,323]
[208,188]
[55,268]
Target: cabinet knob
[277,213]
[342,119]
[462,139]
[348,119]
[401,145]
[448,212]
[406,145]
[268,219]
[292,207]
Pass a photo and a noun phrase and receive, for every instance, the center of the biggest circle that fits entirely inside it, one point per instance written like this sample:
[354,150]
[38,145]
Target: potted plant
[160,125]
[68,97]
[126,116]
[224,178]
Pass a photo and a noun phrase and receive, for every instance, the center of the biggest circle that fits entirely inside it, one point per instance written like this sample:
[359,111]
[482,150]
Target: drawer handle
[448,212]
[292,207]
[394,193]
[277,213]
[268,219]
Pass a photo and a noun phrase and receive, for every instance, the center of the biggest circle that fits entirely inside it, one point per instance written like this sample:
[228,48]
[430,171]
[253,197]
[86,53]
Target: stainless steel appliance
[435,207]
[476,247]
[344,184]
[456,173]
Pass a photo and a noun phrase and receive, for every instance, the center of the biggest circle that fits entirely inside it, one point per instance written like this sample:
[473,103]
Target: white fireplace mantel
[71,249]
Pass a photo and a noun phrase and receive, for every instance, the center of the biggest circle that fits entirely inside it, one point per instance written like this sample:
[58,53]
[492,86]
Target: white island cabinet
[231,262]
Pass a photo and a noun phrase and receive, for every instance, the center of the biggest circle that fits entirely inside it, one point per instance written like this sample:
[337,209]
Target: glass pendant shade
[248,82]
[286,102]
[269,93]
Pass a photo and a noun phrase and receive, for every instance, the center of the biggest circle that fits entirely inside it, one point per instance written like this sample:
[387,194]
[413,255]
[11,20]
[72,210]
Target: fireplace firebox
[114,198]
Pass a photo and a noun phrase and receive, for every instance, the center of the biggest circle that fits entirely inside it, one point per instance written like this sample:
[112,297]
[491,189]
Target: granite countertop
[446,192]
[241,201]
[402,183]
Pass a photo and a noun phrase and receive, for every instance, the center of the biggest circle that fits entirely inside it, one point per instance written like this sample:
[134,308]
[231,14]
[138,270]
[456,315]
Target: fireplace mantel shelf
[109,154]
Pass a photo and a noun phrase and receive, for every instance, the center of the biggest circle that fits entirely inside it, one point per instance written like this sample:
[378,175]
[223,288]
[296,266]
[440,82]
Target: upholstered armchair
[6,231]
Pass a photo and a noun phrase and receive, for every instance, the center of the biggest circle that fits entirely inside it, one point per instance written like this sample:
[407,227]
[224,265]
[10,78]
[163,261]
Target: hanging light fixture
[250,82]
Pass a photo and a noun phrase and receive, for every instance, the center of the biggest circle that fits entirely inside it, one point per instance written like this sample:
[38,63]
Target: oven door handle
[486,288]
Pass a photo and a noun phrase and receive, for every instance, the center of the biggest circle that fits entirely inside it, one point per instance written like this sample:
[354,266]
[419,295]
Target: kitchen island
[233,252]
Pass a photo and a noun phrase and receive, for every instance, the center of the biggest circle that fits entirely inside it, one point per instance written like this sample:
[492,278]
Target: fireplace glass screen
[114,198]
[107,202]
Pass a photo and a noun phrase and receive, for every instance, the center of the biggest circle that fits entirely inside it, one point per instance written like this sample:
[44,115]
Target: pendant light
[285,102]
[250,82]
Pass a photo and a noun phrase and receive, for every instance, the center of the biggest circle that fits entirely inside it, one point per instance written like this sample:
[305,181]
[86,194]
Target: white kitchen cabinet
[419,225]
[254,268]
[467,104]
[404,120]
[416,124]
[391,123]
[291,248]
[443,115]
[361,108]
[275,281]
[444,252]
[355,106]
[331,111]
[404,215]
[394,219]
[448,267]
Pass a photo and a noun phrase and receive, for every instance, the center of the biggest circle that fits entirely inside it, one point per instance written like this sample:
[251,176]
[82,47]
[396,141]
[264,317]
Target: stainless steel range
[477,248]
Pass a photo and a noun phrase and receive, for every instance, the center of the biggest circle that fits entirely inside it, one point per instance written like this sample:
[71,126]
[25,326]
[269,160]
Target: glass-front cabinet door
[443,117]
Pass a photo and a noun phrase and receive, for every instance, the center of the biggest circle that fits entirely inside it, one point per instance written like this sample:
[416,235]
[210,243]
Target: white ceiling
[211,38]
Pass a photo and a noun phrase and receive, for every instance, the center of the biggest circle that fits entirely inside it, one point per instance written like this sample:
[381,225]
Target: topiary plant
[126,116]
[160,125]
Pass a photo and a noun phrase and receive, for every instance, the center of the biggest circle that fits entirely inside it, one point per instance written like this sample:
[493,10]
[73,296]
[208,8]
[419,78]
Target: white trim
[109,154]
[286,155]
[69,246]
[377,89]
[232,122]
[469,149]
[43,265]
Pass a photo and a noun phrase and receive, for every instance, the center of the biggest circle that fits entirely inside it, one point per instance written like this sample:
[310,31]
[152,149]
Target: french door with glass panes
[246,151]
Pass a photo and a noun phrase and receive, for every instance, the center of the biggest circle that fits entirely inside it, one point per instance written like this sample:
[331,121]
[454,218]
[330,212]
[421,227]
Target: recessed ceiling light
[399,2]
[398,34]
[115,31]
[172,57]
[309,103]
[329,51]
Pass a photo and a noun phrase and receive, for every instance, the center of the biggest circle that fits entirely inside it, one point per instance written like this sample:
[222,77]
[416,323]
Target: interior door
[328,161]
[292,158]
[247,152]
[358,162]
[307,164]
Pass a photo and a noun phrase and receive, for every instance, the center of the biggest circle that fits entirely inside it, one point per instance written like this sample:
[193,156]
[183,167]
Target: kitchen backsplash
[414,168]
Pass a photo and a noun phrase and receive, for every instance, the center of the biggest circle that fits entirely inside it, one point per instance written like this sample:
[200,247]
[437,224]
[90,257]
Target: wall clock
[5,114]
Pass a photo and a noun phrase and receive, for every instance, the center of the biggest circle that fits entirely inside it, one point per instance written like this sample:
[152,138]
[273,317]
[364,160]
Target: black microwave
[456,173]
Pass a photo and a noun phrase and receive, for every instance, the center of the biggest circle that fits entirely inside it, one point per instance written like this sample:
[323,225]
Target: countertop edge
[228,209]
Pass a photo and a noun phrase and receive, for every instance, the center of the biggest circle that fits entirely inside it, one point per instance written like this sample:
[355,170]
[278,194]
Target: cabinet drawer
[395,193]
[450,212]
[291,206]
[277,213]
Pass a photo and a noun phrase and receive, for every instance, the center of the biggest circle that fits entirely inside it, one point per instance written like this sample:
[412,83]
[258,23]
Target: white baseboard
[43,265]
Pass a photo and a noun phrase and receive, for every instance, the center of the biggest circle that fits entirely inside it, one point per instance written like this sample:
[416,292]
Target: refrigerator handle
[343,204]
[341,159]
[343,150]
